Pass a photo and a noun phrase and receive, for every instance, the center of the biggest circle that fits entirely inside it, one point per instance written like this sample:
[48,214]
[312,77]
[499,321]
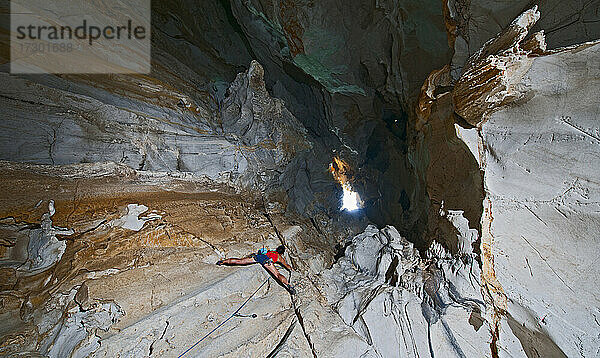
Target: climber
[267,259]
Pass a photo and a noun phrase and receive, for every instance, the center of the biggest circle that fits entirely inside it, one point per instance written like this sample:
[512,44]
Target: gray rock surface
[542,203]
[535,160]
[33,247]
[481,175]
[245,148]
[77,334]
[565,23]
[404,306]
[266,133]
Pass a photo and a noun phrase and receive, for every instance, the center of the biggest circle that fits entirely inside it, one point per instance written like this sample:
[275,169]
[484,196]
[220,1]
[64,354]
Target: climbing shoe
[220,262]
[291,290]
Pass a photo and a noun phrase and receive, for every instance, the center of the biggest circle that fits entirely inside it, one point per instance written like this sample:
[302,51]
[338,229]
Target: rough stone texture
[214,156]
[115,284]
[471,23]
[33,247]
[405,306]
[81,127]
[269,136]
[537,181]
[362,93]
[496,69]
[131,236]
[542,197]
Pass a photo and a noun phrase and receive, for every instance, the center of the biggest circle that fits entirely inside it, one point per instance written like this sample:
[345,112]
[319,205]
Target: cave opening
[350,199]
[360,146]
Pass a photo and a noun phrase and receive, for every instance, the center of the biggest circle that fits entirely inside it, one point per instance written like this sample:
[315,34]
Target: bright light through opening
[350,200]
[342,173]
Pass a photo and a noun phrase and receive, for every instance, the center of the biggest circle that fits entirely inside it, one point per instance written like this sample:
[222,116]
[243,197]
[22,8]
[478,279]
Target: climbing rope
[225,321]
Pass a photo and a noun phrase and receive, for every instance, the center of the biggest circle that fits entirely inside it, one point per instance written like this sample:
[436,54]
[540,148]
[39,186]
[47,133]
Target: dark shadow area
[388,180]
[235,26]
[536,344]
[567,23]
[453,178]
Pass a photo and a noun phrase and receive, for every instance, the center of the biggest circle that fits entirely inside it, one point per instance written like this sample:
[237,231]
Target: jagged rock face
[364,91]
[537,192]
[498,67]
[473,23]
[240,147]
[542,202]
[270,135]
[490,185]
[404,306]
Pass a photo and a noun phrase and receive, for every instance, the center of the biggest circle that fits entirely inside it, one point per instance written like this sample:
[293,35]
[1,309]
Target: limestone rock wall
[405,306]
[135,274]
[541,202]
[122,191]
[472,23]
[537,202]
[171,135]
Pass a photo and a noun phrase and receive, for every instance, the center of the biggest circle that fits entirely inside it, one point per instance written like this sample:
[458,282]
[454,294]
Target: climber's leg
[273,270]
[236,261]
